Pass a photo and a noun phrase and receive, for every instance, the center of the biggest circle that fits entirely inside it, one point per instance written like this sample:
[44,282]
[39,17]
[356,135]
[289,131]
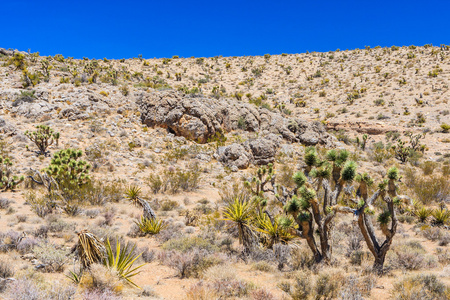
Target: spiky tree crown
[311,157]
[337,157]
[299,179]
[392,173]
[364,178]
[66,165]
[349,171]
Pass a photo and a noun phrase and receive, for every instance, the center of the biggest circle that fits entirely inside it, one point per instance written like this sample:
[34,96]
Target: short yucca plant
[132,193]
[150,226]
[122,260]
[440,216]
[241,214]
[422,214]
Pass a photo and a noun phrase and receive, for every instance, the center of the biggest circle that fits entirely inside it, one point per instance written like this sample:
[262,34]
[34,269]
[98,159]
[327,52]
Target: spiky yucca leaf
[122,261]
[275,231]
[422,213]
[349,171]
[384,217]
[441,216]
[132,193]
[150,226]
[299,179]
[392,173]
[239,212]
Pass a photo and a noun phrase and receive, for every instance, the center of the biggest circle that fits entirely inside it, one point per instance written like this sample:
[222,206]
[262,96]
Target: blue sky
[124,29]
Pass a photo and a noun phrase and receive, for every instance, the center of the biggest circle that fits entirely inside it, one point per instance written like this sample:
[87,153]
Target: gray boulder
[258,152]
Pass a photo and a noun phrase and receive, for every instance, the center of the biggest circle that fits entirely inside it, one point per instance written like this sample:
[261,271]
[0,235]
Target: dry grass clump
[51,256]
[29,288]
[191,263]
[100,279]
[329,283]
[6,267]
[420,287]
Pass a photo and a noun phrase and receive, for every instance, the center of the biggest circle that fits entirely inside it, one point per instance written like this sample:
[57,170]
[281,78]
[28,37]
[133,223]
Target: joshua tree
[7,180]
[308,210]
[387,191]
[43,137]
[321,192]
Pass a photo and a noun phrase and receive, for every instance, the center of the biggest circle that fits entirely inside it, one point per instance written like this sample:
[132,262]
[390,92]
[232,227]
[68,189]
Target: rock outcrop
[200,118]
[260,151]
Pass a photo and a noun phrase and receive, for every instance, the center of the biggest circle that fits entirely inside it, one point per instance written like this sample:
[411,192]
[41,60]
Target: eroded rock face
[260,151]
[200,118]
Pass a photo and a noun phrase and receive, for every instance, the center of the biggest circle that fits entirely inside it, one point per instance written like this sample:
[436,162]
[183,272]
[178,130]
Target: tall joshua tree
[388,193]
[314,214]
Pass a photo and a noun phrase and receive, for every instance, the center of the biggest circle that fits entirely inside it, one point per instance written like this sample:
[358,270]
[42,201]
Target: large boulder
[259,151]
[202,118]
[235,155]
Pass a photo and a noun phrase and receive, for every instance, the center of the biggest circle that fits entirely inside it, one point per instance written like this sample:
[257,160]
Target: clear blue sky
[127,28]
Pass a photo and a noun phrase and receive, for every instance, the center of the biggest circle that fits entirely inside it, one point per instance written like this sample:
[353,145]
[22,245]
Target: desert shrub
[443,256]
[148,255]
[5,203]
[428,167]
[173,180]
[189,264]
[100,278]
[61,291]
[52,257]
[168,205]
[302,288]
[428,188]
[200,291]
[357,287]
[13,240]
[261,294]
[24,289]
[436,234]
[328,284]
[57,225]
[301,258]
[6,268]
[263,266]
[189,243]
[420,287]
[100,295]
[148,291]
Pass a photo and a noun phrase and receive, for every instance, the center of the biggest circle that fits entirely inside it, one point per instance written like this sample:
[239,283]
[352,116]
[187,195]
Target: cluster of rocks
[201,119]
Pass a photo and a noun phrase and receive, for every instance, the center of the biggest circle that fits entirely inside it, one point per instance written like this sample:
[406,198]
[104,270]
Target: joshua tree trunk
[378,250]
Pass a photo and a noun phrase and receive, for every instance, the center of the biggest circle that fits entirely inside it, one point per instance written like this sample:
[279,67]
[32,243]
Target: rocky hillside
[182,138]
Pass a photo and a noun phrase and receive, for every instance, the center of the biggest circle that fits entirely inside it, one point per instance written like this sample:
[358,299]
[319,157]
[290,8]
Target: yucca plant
[422,214]
[241,213]
[75,276]
[89,249]
[441,216]
[122,261]
[150,226]
[132,193]
[278,232]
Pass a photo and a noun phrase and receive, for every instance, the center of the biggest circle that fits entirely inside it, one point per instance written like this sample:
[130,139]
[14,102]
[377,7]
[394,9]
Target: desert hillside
[292,176]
